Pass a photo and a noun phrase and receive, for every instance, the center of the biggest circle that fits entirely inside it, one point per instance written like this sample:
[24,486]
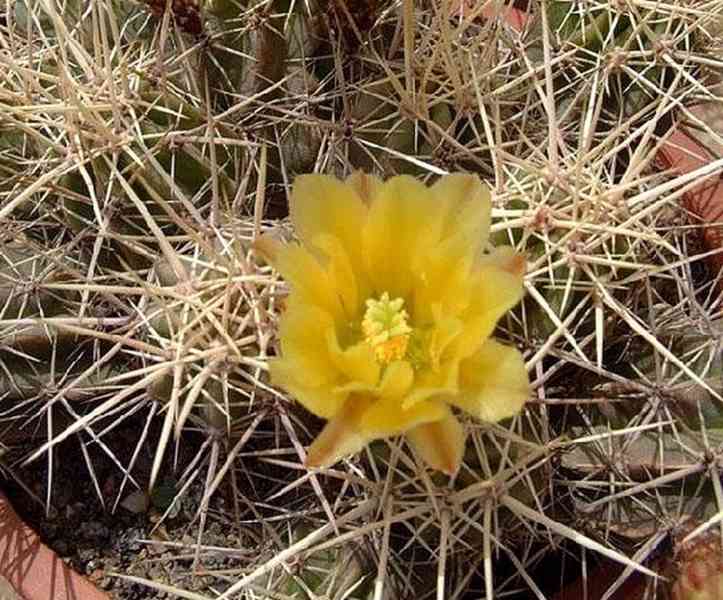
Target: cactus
[145,147]
[633,43]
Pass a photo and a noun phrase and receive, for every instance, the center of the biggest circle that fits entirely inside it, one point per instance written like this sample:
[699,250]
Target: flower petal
[310,283]
[469,209]
[440,443]
[443,268]
[398,378]
[429,383]
[403,218]
[498,287]
[324,401]
[444,332]
[321,204]
[386,417]
[366,185]
[357,363]
[341,436]
[304,331]
[493,383]
[350,286]
[439,369]
[443,281]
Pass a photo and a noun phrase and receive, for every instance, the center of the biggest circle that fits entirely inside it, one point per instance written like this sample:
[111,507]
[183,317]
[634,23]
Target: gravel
[96,542]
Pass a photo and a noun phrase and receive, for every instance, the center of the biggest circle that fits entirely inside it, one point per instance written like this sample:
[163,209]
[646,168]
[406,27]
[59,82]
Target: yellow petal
[357,363]
[321,204]
[439,368]
[341,435]
[498,287]
[430,383]
[440,443]
[324,401]
[398,378]
[309,281]
[386,417]
[443,280]
[443,268]
[403,218]
[304,331]
[366,185]
[350,286]
[444,332]
[355,387]
[493,383]
[469,209]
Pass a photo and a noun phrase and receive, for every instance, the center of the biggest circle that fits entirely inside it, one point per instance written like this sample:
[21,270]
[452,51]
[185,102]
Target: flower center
[385,328]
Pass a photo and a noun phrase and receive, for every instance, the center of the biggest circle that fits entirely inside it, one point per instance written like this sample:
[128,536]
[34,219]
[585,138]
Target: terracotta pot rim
[32,569]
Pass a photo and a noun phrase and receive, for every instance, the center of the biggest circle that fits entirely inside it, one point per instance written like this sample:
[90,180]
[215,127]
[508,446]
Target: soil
[97,541]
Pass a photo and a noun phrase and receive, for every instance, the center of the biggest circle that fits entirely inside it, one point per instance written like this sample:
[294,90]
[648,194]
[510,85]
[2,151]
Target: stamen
[385,328]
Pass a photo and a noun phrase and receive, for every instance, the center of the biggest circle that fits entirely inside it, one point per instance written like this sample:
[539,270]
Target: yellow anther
[385,328]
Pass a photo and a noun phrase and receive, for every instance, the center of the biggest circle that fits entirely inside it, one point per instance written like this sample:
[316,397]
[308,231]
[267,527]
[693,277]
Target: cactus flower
[387,326]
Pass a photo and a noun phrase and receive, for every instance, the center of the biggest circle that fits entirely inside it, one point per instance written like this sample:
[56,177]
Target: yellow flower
[391,309]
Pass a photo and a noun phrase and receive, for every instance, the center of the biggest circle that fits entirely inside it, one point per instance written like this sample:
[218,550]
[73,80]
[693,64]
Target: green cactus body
[626,45]
[24,272]
[565,284]
[340,571]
